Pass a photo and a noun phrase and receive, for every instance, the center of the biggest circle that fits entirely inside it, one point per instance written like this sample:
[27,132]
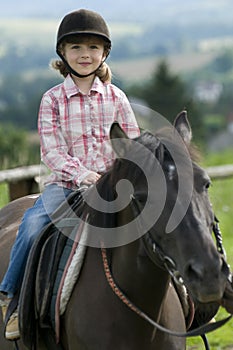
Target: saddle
[45,266]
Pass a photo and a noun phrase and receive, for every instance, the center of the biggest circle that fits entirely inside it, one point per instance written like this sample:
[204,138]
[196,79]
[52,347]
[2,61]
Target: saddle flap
[46,274]
[27,312]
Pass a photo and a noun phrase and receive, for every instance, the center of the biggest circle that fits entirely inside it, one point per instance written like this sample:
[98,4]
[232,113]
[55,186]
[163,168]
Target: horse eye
[207,185]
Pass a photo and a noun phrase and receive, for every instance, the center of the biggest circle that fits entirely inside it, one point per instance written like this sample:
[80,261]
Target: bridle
[162,260]
[165,262]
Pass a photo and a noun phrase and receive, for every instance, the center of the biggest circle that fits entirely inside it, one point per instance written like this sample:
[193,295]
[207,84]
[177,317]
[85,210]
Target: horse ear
[183,127]
[120,141]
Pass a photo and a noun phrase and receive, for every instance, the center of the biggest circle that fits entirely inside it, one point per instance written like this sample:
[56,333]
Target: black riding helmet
[82,22]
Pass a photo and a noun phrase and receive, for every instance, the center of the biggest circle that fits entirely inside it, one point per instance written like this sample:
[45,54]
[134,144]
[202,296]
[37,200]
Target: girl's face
[84,53]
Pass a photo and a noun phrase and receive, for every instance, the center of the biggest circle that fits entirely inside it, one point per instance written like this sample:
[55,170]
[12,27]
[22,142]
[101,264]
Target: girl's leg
[34,220]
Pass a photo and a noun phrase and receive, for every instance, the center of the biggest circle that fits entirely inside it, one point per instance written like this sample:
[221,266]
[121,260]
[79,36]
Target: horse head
[171,206]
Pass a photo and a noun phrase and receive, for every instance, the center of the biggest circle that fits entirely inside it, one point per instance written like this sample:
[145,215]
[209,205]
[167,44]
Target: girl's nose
[85,53]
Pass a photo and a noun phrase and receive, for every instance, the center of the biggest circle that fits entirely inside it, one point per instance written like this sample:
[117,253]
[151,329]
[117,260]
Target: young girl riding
[74,123]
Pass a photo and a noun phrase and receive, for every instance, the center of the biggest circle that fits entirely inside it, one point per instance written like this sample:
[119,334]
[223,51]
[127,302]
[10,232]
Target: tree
[167,94]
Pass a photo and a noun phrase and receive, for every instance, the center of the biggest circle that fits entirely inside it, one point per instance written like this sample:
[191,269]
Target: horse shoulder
[172,317]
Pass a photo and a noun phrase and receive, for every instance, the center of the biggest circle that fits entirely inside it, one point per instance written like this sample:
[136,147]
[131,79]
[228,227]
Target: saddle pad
[71,276]
[67,273]
[65,284]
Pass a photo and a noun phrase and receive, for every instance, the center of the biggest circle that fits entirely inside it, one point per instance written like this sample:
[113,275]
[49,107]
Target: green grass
[220,158]
[221,195]
[4,194]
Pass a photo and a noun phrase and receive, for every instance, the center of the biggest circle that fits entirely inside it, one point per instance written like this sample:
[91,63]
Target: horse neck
[144,282]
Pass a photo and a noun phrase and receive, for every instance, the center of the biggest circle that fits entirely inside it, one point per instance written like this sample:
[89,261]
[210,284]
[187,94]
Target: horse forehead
[148,140]
[200,174]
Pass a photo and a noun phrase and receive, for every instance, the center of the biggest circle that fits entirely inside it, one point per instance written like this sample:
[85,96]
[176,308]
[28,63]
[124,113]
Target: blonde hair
[104,71]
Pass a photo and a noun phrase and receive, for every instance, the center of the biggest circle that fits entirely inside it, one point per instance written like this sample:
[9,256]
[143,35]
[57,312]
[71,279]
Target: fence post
[23,180]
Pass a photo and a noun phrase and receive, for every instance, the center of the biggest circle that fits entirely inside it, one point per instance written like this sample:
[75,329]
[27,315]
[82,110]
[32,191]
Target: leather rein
[163,261]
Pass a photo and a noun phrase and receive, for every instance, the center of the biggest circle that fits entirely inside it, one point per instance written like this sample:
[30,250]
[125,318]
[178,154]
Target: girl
[74,123]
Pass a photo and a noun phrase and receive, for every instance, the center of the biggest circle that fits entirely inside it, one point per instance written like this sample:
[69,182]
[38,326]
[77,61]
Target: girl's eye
[91,47]
[75,47]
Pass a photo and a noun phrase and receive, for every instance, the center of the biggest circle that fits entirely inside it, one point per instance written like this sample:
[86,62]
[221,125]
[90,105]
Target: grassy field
[221,194]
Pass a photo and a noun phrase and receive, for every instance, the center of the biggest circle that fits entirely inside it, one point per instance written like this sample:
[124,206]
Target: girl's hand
[90,179]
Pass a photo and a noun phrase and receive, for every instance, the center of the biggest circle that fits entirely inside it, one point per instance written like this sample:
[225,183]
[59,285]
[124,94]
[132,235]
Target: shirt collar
[72,89]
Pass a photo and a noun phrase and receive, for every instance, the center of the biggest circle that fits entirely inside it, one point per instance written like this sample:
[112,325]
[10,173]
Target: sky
[120,9]
[51,8]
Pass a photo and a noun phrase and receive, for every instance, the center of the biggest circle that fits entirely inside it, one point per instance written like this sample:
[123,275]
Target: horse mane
[195,153]
[167,133]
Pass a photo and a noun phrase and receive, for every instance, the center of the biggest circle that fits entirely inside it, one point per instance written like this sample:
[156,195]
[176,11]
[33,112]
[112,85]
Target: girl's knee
[32,224]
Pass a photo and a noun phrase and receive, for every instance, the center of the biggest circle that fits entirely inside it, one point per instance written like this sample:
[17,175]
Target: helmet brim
[84,32]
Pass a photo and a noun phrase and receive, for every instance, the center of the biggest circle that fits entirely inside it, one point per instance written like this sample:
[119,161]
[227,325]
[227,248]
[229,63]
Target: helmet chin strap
[74,71]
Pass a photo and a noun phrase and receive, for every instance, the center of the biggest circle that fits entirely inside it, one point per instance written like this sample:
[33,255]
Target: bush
[15,149]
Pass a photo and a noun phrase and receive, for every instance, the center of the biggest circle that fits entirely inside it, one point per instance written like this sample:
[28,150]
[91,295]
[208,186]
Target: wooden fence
[23,180]
[220,172]
[26,180]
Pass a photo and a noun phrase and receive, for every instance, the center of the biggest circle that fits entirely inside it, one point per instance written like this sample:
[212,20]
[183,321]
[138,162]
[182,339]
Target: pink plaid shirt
[74,129]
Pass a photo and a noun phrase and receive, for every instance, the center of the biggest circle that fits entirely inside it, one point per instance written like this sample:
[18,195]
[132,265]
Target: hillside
[140,69]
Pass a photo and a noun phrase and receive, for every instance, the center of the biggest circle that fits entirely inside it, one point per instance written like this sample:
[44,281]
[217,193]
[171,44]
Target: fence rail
[25,180]
[220,172]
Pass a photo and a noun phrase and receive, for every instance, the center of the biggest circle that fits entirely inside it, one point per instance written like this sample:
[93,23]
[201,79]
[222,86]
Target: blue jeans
[34,220]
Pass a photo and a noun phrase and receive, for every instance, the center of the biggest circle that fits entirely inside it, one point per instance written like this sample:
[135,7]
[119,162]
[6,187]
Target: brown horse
[164,222]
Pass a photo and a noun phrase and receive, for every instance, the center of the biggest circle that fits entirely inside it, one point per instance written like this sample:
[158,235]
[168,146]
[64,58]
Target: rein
[167,263]
[206,328]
